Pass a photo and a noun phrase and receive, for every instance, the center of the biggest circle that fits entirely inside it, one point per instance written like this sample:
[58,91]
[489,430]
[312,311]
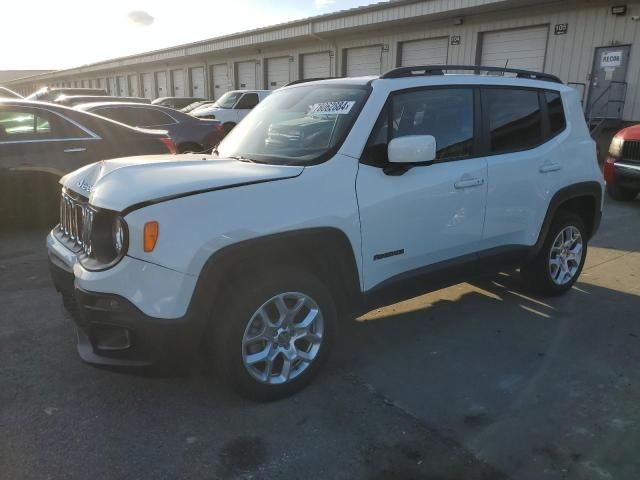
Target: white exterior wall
[570,56]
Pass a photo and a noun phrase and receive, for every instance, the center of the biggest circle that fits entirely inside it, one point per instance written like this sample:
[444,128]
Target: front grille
[631,151]
[76,222]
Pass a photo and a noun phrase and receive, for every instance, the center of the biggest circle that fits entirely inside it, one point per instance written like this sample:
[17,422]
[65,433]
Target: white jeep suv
[331,198]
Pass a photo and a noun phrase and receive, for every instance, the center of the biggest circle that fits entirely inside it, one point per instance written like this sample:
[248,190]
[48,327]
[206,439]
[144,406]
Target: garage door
[220,80]
[278,72]
[177,80]
[364,61]
[432,51]
[522,48]
[161,84]
[122,86]
[246,74]
[316,65]
[147,85]
[113,88]
[133,86]
[197,82]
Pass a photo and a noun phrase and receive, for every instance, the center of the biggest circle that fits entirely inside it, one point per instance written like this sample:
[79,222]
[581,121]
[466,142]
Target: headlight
[109,241]
[118,231]
[615,150]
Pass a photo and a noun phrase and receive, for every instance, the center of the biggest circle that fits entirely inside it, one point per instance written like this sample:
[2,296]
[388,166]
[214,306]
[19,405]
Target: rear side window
[557,121]
[514,119]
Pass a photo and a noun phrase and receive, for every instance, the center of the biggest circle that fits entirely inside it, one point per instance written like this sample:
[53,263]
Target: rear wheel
[622,194]
[274,333]
[558,264]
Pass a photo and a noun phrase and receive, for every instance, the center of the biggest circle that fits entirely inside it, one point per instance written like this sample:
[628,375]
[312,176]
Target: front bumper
[627,175]
[112,329]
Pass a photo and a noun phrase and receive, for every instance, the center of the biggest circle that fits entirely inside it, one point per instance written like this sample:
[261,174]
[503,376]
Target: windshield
[228,100]
[296,125]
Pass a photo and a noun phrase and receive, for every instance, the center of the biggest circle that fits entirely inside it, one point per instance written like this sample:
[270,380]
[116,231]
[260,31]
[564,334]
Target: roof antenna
[506,64]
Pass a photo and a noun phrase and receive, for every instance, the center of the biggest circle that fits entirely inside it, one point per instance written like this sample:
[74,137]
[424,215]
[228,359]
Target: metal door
[147,85]
[177,80]
[608,86]
[161,84]
[197,82]
[219,80]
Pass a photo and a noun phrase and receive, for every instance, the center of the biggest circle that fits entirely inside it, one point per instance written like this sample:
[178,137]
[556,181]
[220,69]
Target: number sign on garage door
[364,61]
[523,48]
[432,51]
[197,82]
[278,72]
[246,74]
[316,65]
[147,85]
[177,82]
[161,84]
[219,80]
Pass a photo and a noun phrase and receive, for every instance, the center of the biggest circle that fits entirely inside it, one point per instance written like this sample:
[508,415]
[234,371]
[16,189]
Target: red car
[622,166]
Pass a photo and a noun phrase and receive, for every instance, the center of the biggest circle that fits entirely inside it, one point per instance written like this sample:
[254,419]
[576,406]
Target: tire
[550,280]
[240,319]
[621,194]
[228,127]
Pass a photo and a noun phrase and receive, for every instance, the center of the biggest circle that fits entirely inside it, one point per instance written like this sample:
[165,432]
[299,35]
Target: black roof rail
[306,80]
[426,70]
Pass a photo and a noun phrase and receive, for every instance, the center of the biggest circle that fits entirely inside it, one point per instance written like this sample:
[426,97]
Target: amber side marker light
[151,232]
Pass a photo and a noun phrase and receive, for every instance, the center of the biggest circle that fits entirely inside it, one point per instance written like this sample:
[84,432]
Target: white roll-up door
[246,74]
[113,88]
[523,48]
[161,84]
[147,86]
[133,86]
[122,86]
[219,80]
[432,51]
[316,65]
[197,82]
[364,61]
[278,72]
[177,81]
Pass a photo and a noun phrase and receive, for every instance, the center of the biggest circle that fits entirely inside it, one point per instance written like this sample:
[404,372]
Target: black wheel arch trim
[583,189]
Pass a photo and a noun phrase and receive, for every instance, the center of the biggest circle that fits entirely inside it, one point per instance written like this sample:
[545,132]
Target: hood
[125,182]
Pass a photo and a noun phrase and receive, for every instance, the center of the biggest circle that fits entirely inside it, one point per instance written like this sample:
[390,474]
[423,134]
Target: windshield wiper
[242,159]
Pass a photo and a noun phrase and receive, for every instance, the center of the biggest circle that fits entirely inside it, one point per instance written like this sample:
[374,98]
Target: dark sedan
[189,133]
[40,142]
[176,102]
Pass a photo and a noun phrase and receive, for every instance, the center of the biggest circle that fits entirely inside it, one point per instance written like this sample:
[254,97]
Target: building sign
[611,59]
[455,39]
[561,28]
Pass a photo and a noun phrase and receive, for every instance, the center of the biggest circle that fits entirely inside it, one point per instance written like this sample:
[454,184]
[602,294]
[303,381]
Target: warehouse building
[593,45]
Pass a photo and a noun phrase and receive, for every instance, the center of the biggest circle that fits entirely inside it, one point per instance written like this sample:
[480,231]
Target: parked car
[6,93]
[260,251]
[48,94]
[622,166]
[176,102]
[73,100]
[192,106]
[232,107]
[190,134]
[41,142]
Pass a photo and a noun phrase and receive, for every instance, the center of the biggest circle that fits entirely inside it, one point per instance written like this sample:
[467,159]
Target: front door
[428,214]
[608,82]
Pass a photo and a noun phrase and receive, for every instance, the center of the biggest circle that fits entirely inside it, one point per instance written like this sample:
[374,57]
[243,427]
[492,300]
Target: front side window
[299,125]
[445,113]
[248,101]
[228,100]
[514,117]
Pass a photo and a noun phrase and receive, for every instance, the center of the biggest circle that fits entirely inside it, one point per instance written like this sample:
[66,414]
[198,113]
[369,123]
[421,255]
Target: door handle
[472,182]
[75,150]
[550,167]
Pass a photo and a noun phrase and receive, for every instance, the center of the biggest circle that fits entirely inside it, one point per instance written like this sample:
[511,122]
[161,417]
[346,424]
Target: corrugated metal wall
[570,56]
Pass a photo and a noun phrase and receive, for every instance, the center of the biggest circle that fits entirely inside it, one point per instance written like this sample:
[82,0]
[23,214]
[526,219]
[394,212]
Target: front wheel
[558,264]
[275,333]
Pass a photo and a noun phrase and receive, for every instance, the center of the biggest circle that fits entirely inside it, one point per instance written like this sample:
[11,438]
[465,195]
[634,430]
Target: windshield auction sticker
[332,108]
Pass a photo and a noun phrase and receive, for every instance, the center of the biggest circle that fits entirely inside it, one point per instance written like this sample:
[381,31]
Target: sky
[41,34]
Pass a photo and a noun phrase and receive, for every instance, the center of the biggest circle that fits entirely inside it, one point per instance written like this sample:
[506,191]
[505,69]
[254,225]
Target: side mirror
[412,149]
